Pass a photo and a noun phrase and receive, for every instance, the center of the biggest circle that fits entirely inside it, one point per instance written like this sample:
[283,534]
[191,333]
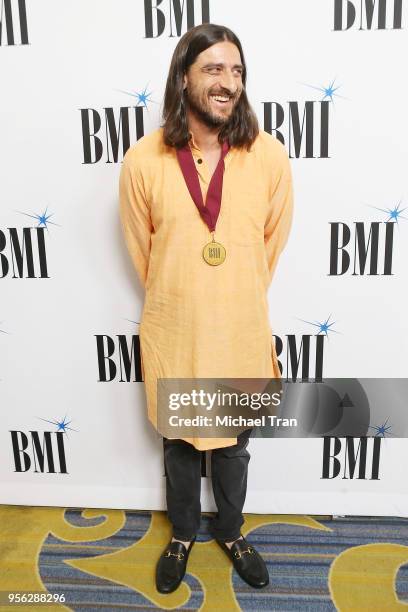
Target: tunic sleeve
[279,219]
[135,216]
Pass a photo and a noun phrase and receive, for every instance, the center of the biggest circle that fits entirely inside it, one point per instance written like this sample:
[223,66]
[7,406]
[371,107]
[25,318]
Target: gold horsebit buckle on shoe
[238,554]
[179,556]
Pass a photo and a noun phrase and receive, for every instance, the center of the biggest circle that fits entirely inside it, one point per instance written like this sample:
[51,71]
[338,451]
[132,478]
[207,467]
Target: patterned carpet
[105,559]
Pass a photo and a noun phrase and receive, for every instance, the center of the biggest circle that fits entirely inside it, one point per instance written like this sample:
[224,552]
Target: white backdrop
[96,55]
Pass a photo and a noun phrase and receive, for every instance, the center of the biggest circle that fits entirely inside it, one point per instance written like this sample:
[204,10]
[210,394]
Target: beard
[203,110]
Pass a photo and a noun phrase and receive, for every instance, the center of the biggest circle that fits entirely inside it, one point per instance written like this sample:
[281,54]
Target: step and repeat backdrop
[83,81]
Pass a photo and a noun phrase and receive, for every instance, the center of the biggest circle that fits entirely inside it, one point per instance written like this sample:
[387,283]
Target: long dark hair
[242,127]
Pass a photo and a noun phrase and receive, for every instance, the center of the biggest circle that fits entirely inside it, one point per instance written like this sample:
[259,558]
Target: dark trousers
[229,471]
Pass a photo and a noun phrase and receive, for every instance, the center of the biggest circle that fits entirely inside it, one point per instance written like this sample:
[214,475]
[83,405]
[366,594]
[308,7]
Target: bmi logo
[364,257]
[364,248]
[304,355]
[368,14]
[41,451]
[13,23]
[303,126]
[351,458]
[23,250]
[106,131]
[23,255]
[173,17]
[117,360]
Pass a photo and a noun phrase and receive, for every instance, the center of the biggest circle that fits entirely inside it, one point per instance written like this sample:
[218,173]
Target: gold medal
[214,253]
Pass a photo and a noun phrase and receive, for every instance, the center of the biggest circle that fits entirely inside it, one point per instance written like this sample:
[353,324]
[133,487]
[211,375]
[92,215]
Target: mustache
[224,94]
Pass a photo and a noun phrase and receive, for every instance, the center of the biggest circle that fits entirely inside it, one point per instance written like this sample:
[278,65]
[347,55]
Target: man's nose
[227,81]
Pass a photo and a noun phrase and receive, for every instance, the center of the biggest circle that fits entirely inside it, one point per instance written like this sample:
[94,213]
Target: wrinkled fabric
[229,476]
[202,321]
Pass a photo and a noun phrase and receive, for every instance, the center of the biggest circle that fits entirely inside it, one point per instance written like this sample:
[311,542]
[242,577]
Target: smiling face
[214,84]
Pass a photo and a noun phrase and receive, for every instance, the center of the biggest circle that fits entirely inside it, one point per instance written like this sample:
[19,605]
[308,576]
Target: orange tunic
[202,321]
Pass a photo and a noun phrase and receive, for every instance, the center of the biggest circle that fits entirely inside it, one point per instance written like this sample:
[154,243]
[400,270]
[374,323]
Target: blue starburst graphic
[328,92]
[3,331]
[61,425]
[142,97]
[131,321]
[324,328]
[43,220]
[382,430]
[394,214]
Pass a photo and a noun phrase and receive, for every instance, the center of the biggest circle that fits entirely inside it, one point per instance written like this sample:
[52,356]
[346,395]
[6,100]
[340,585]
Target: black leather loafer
[248,563]
[171,566]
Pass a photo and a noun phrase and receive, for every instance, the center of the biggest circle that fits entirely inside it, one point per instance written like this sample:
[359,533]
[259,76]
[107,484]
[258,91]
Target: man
[206,208]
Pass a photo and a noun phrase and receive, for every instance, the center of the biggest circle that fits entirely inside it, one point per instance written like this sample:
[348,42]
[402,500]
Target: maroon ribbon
[211,210]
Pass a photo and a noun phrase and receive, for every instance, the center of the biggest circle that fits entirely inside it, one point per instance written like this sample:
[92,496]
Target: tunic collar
[196,150]
[193,143]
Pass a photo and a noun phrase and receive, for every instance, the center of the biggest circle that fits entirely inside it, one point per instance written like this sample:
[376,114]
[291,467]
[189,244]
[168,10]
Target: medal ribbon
[210,211]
